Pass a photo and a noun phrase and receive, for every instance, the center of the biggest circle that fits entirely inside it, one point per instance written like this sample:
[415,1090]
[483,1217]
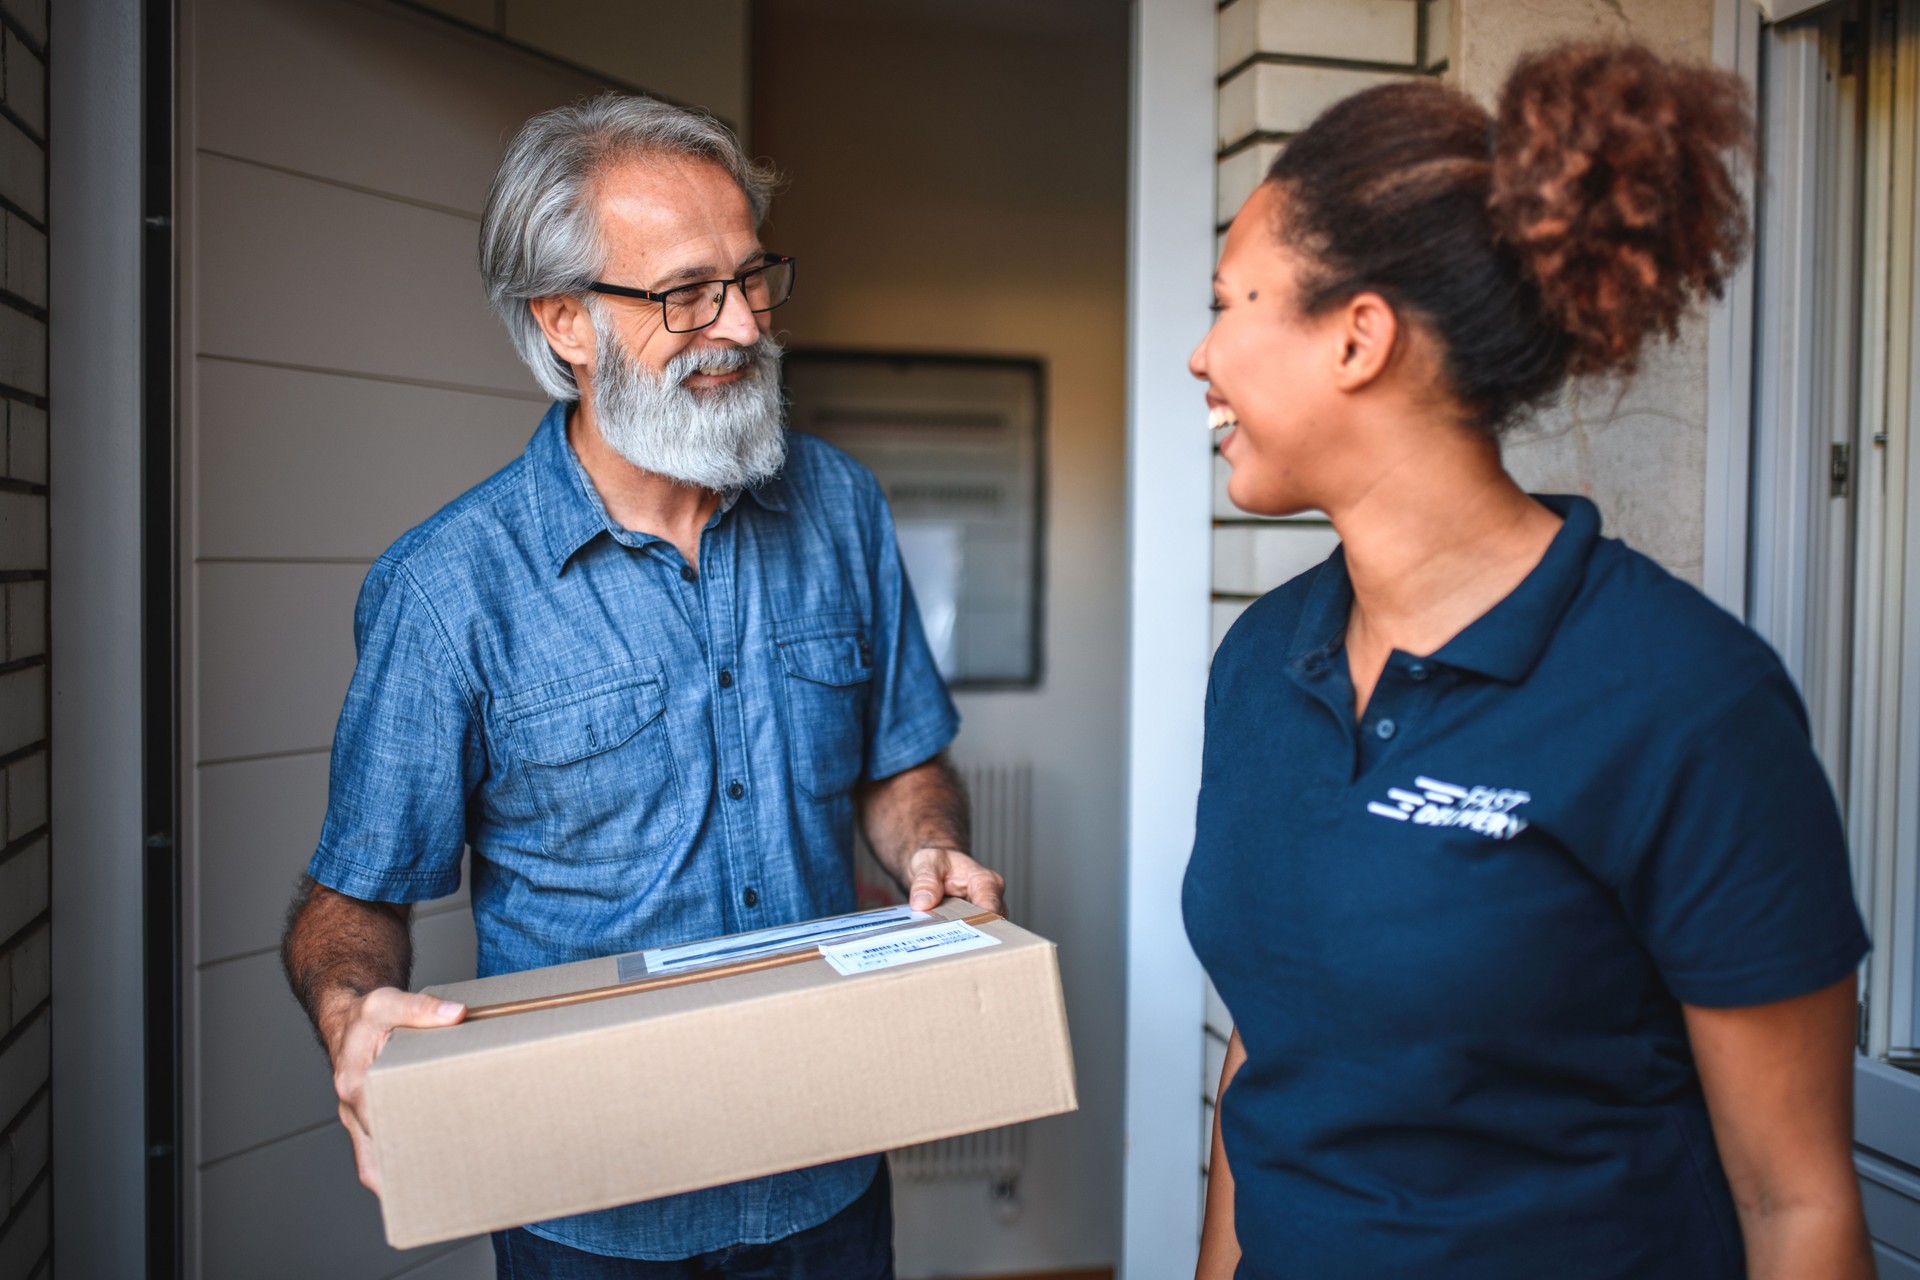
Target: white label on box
[905,946]
[763,942]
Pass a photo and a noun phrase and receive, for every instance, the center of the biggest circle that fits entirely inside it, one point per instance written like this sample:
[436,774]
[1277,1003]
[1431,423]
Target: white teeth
[1222,416]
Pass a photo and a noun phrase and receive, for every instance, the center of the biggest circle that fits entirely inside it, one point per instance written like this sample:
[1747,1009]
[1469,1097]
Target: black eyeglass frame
[738,282]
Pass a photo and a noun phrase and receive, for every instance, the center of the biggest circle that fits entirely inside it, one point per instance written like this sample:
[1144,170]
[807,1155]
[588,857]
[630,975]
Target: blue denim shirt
[637,754]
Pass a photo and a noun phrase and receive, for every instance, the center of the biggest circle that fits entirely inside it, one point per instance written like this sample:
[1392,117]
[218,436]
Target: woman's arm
[1779,1085]
[1219,1246]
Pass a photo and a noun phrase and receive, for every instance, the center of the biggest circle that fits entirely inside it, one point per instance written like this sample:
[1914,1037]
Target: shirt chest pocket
[599,766]
[829,678]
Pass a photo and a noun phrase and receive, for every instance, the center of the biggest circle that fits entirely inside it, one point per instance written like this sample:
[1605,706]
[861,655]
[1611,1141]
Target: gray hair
[539,236]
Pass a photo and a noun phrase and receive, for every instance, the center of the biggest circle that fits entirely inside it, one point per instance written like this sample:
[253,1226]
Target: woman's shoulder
[1271,623]
[1665,636]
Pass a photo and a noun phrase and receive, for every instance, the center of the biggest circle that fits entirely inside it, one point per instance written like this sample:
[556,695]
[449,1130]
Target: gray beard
[725,439]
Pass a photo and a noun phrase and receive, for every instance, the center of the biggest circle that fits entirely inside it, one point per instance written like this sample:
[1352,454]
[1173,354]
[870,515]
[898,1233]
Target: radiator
[1002,797]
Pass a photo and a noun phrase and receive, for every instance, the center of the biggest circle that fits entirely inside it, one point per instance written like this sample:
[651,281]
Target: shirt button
[735,790]
[687,573]
[751,898]
[1384,729]
[726,678]
[1418,671]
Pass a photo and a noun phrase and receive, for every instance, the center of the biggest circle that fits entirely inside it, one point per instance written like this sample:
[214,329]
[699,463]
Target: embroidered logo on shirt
[1487,810]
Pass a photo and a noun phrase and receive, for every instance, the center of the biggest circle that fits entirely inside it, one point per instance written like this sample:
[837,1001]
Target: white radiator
[1002,797]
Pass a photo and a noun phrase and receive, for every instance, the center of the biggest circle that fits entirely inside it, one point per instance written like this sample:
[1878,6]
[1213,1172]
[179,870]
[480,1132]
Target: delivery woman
[1514,863]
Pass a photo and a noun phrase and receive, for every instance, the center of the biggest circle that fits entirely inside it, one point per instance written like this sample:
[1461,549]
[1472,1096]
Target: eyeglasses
[688,307]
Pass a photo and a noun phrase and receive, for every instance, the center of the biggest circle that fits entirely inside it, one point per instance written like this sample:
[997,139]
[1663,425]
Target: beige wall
[959,185]
[1638,451]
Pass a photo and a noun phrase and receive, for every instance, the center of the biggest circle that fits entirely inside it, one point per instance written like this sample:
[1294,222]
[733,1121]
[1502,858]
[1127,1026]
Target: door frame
[99,328]
[1169,622]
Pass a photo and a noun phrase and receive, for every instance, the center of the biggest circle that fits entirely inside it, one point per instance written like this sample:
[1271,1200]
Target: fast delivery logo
[1488,811]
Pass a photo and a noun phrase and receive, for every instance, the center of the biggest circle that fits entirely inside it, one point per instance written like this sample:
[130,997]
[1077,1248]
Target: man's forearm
[924,807]
[338,949]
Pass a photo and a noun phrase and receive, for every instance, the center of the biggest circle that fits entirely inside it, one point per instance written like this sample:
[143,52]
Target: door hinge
[1839,470]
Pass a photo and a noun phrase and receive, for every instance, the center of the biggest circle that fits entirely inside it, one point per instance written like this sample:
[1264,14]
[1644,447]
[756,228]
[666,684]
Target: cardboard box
[578,1098]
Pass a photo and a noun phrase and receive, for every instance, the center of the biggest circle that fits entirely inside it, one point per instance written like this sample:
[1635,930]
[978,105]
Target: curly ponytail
[1610,180]
[1550,243]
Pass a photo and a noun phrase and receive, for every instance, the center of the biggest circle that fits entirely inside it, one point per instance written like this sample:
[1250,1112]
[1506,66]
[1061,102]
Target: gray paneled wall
[25,926]
[344,379]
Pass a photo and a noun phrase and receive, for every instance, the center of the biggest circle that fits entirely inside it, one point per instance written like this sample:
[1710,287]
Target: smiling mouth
[1222,416]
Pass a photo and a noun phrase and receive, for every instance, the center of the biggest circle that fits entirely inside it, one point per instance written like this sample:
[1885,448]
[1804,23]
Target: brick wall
[1280,63]
[25,928]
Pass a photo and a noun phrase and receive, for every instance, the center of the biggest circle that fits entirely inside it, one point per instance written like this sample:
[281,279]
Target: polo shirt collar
[568,509]
[1502,644]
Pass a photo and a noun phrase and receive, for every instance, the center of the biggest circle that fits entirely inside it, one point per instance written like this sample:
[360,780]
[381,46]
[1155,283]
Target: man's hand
[916,824]
[347,961]
[933,874]
[355,1029]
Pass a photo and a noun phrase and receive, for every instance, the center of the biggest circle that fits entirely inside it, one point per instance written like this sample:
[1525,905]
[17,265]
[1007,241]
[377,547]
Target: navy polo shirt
[1456,935]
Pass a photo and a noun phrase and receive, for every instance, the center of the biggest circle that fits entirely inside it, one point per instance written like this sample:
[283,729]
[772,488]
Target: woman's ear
[1367,330]
[568,326]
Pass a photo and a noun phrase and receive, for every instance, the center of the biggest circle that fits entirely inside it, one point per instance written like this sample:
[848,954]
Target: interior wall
[957,183]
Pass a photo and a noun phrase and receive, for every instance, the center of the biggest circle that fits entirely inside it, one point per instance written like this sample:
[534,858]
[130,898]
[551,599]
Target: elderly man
[651,673]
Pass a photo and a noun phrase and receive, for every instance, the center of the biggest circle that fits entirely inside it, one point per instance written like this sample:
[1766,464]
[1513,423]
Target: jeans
[854,1244]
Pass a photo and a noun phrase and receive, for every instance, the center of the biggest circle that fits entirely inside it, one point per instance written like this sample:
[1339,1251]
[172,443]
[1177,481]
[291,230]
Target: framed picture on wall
[957,445]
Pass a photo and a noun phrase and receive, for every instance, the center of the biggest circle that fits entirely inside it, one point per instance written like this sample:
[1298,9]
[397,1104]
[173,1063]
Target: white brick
[23,170]
[1280,99]
[24,1067]
[26,260]
[26,620]
[26,83]
[23,713]
[1237,176]
[26,795]
[26,1239]
[27,443]
[1351,30]
[23,350]
[23,891]
[32,971]
[31,14]
[23,531]
[1236,35]
[1250,560]
[29,1147]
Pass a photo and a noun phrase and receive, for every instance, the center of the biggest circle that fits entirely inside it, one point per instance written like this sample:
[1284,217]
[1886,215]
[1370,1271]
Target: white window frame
[1837,591]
